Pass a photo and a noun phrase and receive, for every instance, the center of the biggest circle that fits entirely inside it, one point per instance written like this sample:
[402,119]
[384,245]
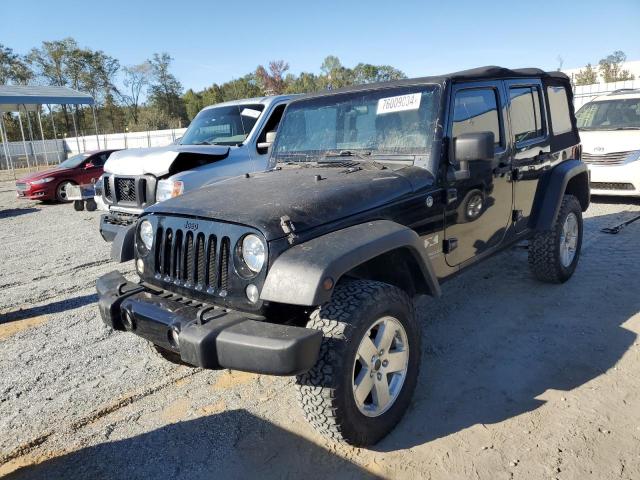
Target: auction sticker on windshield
[249,112]
[400,103]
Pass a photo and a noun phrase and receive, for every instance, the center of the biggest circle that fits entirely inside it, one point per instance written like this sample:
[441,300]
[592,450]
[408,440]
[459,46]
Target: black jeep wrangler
[381,193]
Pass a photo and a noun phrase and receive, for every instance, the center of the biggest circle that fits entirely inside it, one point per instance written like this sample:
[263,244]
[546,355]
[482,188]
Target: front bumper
[206,336]
[37,193]
[113,223]
[619,180]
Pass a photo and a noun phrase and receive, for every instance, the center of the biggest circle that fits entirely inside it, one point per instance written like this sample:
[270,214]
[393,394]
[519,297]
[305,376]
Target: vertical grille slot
[224,264]
[159,249]
[188,247]
[201,260]
[176,256]
[107,187]
[166,255]
[211,262]
[125,189]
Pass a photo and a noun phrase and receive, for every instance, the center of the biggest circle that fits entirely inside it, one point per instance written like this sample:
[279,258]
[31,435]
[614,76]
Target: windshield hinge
[288,228]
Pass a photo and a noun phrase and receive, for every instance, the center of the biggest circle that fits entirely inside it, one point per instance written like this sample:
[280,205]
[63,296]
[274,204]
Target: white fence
[39,153]
[585,93]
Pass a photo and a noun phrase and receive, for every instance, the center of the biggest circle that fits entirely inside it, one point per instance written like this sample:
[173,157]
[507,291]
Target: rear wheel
[554,254]
[368,365]
[61,191]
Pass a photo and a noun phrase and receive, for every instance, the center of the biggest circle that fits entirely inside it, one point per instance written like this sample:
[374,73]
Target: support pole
[24,142]
[33,151]
[55,134]
[5,145]
[44,146]
[75,129]
[95,124]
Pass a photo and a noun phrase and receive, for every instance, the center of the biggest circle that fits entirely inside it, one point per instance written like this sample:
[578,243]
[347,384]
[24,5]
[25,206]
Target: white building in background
[585,93]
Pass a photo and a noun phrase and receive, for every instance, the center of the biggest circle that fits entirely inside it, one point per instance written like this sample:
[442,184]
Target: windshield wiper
[203,143]
[365,156]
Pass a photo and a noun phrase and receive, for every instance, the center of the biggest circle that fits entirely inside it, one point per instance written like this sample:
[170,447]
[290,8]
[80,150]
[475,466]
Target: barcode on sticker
[400,103]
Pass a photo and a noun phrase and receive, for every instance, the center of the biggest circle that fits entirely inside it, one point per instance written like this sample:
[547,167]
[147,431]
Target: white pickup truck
[223,141]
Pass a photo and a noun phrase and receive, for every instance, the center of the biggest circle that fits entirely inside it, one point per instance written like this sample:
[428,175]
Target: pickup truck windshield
[222,125]
[367,125]
[620,114]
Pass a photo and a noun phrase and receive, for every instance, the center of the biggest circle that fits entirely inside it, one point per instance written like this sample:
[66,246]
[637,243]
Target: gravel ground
[519,379]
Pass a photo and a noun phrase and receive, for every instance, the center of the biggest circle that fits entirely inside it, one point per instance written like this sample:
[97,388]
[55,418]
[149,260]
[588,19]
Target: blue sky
[215,41]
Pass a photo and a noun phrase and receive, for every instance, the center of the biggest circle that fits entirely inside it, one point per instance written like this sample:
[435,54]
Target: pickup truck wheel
[368,365]
[553,255]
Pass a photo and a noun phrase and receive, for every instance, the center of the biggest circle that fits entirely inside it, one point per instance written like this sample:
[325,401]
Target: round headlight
[146,234]
[253,252]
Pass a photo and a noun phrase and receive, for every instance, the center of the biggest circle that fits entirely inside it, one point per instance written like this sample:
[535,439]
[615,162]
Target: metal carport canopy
[25,96]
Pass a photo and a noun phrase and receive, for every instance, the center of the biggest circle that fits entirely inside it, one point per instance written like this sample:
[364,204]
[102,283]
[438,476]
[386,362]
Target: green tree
[193,103]
[367,73]
[136,79]
[243,87]
[586,76]
[611,68]
[303,83]
[165,93]
[13,68]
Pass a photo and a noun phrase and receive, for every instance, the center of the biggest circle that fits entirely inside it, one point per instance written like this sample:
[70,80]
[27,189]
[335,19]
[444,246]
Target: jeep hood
[159,161]
[262,199]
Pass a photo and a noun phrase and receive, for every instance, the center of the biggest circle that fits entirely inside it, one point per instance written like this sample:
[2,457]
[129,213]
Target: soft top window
[559,110]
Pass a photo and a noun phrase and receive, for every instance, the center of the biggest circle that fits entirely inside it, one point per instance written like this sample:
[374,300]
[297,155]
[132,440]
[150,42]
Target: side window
[271,125]
[526,119]
[476,110]
[559,110]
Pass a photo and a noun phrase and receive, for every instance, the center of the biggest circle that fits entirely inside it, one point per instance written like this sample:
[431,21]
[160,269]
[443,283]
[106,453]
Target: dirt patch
[11,328]
[232,379]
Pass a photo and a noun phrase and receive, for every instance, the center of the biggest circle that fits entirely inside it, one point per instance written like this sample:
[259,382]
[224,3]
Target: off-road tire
[165,354]
[325,392]
[544,247]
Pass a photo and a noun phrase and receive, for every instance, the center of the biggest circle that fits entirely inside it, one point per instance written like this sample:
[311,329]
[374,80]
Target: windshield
[222,125]
[619,114]
[74,161]
[389,122]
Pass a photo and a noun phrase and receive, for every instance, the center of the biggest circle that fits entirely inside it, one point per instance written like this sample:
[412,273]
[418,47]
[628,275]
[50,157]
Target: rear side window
[559,110]
[526,119]
[476,110]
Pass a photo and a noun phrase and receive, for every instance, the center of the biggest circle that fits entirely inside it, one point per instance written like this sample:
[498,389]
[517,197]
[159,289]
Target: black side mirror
[471,147]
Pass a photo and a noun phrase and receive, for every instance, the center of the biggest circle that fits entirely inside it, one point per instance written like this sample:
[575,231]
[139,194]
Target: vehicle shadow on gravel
[232,444]
[498,339]
[16,212]
[49,308]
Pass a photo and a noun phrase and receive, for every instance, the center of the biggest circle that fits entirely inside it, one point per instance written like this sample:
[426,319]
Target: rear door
[477,220]
[531,147]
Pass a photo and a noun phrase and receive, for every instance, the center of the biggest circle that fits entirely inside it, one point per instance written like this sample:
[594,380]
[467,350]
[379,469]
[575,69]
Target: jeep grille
[192,260]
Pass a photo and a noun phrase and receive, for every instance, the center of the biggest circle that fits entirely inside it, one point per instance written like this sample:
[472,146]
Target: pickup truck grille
[615,158]
[129,191]
[612,186]
[193,260]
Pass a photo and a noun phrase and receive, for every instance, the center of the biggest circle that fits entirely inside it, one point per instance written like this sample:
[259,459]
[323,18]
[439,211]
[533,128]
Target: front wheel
[554,254]
[368,365]
[61,191]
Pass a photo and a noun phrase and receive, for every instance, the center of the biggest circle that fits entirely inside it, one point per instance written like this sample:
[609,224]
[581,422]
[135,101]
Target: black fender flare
[297,277]
[551,190]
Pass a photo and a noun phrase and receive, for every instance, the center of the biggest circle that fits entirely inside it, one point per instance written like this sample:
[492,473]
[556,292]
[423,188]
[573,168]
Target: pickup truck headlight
[42,180]
[168,189]
[146,234]
[253,252]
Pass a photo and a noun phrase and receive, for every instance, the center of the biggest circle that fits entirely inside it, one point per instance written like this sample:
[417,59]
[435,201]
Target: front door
[480,207]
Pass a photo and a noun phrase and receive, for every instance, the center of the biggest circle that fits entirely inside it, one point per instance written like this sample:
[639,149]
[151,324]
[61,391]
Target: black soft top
[481,73]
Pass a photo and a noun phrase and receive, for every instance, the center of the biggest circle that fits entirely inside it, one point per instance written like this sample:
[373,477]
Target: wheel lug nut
[379,376]
[385,363]
[381,352]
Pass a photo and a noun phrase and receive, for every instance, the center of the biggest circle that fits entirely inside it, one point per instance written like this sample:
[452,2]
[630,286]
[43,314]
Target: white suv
[610,133]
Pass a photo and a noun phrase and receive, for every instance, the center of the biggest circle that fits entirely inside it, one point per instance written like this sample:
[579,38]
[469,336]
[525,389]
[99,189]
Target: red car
[52,184]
